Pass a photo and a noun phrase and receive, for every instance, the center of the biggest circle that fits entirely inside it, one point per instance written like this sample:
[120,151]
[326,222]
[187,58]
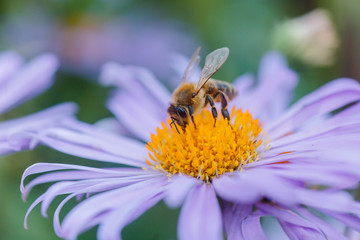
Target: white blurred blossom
[310,38]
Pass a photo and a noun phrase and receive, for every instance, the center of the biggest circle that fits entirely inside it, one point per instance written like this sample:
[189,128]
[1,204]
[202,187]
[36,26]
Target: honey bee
[189,98]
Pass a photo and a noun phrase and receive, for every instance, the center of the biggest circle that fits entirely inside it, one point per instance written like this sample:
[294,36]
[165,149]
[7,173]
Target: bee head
[178,114]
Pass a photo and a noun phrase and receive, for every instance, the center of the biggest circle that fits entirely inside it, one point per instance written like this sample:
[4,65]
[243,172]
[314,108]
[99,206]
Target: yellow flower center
[207,151]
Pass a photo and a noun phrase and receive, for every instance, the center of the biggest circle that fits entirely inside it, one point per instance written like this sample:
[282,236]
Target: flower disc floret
[206,151]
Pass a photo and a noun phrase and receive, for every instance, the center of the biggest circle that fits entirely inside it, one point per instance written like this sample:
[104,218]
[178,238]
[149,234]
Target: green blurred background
[87,33]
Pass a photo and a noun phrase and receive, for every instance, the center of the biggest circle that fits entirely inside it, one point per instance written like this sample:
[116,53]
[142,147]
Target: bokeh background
[84,34]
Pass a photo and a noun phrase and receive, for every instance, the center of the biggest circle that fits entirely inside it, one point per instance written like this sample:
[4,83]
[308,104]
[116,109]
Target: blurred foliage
[244,26]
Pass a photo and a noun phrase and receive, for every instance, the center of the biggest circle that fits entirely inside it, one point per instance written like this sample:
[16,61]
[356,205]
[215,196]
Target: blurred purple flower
[20,82]
[310,163]
[89,41]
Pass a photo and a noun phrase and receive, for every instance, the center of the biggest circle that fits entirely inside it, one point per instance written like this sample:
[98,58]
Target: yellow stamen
[207,151]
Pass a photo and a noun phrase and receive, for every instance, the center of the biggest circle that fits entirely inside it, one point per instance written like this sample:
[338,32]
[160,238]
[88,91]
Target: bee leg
[213,109]
[224,104]
[191,112]
[173,122]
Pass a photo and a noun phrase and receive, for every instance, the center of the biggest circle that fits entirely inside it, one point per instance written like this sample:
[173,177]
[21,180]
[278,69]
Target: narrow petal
[86,141]
[76,221]
[74,172]
[200,216]
[136,80]
[91,186]
[178,189]
[75,188]
[328,98]
[111,124]
[116,220]
[233,215]
[138,117]
[13,133]
[352,221]
[252,229]
[329,231]
[295,227]
[252,185]
[9,63]
[34,121]
[31,80]
[243,84]
[275,79]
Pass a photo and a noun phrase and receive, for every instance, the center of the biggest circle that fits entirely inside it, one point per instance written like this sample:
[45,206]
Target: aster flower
[294,164]
[20,82]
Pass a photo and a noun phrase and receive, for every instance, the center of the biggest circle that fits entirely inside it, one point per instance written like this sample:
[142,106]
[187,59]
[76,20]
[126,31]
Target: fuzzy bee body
[182,96]
[214,86]
[191,98]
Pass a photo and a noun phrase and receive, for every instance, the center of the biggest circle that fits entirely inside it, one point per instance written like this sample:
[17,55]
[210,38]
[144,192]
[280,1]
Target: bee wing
[194,62]
[213,62]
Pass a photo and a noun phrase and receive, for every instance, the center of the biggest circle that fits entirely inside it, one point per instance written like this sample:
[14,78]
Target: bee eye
[181,111]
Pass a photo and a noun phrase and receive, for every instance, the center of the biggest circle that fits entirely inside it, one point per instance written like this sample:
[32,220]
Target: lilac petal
[44,117]
[64,187]
[116,220]
[330,232]
[101,186]
[243,83]
[276,82]
[233,215]
[319,134]
[294,226]
[295,232]
[352,221]
[178,189]
[31,80]
[137,81]
[234,189]
[316,173]
[109,137]
[200,216]
[105,184]
[252,185]
[133,113]
[77,219]
[82,173]
[252,229]
[48,167]
[56,218]
[343,143]
[112,125]
[9,63]
[90,145]
[349,115]
[81,187]
[331,96]
[32,206]
[12,132]
[337,201]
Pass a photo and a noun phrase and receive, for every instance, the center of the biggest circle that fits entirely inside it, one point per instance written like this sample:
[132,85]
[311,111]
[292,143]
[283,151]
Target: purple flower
[20,82]
[293,165]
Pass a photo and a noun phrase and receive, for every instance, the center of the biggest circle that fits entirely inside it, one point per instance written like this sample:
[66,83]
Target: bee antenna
[194,94]
[172,122]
